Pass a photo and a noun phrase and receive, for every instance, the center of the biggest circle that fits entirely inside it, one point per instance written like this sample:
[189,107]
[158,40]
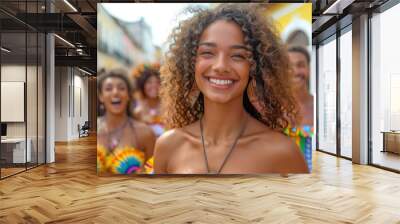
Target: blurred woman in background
[303,129]
[300,60]
[121,147]
[147,107]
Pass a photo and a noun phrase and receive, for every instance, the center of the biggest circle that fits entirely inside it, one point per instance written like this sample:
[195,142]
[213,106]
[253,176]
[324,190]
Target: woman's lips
[299,77]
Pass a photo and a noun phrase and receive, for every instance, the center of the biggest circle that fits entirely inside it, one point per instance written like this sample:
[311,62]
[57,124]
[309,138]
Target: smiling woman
[226,97]
[121,149]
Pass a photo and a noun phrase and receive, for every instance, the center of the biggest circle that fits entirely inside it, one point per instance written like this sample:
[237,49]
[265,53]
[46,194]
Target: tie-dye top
[121,160]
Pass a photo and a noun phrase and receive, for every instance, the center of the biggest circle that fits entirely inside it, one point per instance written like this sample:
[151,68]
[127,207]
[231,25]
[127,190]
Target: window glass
[385,87]
[327,96]
[346,94]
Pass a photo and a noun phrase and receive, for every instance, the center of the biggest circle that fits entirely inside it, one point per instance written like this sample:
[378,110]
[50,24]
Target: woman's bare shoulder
[183,133]
[282,149]
[174,138]
[276,141]
[165,148]
[170,136]
[170,140]
[268,135]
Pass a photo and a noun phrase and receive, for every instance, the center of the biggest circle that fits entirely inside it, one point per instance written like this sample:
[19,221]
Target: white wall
[34,124]
[71,94]
[12,73]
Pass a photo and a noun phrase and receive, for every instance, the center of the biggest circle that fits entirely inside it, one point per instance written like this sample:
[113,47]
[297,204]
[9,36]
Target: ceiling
[76,23]
[331,15]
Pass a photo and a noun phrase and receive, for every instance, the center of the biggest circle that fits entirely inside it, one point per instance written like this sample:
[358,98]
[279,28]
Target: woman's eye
[238,57]
[206,53]
[122,88]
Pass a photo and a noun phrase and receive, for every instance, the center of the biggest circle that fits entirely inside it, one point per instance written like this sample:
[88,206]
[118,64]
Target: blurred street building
[122,44]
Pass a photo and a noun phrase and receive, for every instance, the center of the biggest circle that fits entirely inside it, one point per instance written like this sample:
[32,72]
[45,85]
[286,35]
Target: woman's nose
[115,91]
[221,64]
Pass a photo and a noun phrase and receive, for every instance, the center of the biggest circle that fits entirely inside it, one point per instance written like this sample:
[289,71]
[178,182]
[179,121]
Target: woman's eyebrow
[209,44]
[239,46]
[236,46]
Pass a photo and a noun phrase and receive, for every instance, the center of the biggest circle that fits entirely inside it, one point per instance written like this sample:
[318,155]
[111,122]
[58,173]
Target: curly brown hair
[269,67]
[145,73]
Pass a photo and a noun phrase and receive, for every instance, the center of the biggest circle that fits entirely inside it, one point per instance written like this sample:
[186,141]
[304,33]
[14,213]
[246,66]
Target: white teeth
[220,81]
[115,100]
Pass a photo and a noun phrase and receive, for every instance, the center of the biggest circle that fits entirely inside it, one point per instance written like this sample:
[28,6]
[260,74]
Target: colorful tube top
[157,125]
[303,138]
[126,160]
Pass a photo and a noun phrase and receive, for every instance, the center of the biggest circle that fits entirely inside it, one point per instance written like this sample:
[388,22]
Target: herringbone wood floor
[70,192]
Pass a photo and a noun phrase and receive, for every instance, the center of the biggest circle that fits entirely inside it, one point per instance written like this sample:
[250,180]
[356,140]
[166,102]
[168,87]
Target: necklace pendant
[114,143]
